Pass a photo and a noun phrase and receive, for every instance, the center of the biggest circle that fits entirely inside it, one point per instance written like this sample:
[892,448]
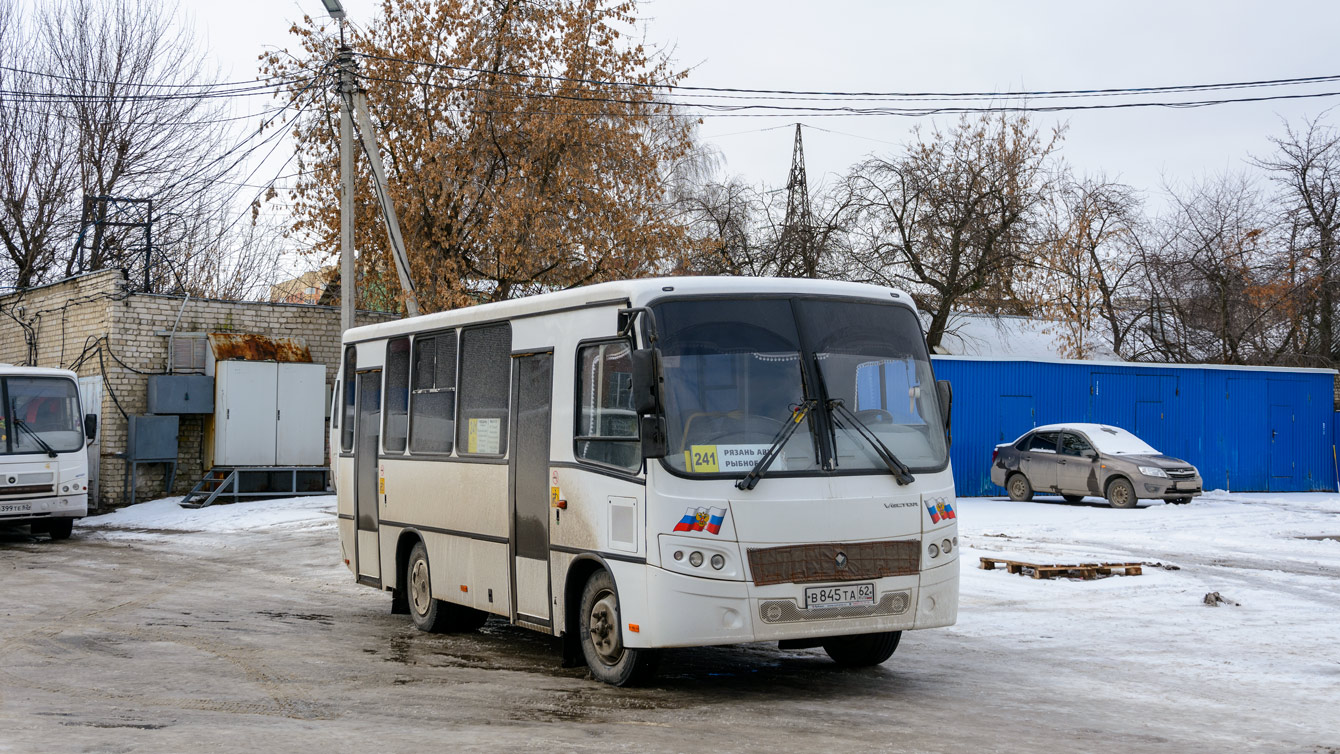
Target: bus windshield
[39,410]
[736,370]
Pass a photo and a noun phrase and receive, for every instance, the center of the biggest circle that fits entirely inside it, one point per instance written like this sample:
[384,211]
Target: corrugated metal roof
[252,347]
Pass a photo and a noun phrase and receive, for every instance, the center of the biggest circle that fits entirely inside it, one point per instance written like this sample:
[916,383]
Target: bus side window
[433,394]
[485,387]
[396,412]
[607,425]
[347,421]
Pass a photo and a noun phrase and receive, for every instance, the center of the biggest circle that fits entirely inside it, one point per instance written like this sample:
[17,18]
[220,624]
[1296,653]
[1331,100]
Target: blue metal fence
[1266,429]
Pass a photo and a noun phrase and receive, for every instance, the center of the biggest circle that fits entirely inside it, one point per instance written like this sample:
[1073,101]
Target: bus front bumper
[685,611]
[19,512]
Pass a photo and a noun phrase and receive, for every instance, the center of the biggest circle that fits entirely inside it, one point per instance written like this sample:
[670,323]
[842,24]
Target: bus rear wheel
[862,650]
[602,637]
[427,613]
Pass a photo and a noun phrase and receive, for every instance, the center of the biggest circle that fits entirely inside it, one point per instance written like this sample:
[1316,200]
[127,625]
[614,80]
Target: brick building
[115,339]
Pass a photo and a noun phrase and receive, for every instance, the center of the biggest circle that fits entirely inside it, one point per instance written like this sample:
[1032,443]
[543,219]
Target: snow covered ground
[1261,672]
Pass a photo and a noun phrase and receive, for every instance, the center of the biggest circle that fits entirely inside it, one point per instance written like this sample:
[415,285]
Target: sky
[945,46]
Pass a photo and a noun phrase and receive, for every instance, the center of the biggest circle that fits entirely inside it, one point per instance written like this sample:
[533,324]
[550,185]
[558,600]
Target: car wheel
[862,650]
[1073,498]
[1019,488]
[602,637]
[1121,494]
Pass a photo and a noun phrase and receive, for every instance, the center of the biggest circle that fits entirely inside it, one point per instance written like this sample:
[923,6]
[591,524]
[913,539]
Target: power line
[874,94]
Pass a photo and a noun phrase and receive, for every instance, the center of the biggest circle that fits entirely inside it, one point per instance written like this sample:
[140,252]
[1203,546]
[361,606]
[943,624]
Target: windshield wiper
[798,414]
[23,425]
[901,473]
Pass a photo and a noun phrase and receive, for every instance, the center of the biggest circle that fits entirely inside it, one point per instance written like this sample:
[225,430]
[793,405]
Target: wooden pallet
[1075,571]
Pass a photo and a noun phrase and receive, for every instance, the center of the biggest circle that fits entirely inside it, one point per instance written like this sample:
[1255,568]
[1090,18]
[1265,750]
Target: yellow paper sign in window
[702,459]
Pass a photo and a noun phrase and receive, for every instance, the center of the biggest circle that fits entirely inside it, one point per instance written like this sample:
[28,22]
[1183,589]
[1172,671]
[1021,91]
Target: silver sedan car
[1075,460]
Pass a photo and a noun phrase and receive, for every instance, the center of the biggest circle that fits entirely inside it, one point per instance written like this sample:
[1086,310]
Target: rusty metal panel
[834,561]
[252,347]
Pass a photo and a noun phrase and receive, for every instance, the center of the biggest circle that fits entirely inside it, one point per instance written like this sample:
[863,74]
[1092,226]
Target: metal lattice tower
[795,257]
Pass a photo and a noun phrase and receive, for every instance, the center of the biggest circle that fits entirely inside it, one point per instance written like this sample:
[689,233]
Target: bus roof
[9,370]
[636,292]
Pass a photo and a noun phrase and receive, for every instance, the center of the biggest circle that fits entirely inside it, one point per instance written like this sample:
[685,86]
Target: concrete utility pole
[345,63]
[354,104]
[384,199]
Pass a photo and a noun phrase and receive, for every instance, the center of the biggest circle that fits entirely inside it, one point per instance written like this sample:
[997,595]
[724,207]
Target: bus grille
[787,611]
[834,561]
[27,483]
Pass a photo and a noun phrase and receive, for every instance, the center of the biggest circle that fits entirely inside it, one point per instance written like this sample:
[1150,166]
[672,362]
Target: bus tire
[1019,488]
[862,650]
[1121,494]
[602,637]
[60,528]
[428,614]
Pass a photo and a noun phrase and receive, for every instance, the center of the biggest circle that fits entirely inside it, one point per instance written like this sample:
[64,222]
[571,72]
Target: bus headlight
[933,550]
[947,546]
[718,562]
[695,558]
[679,555]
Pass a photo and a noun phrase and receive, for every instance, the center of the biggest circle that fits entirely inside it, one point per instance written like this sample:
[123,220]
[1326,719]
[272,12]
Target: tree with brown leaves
[524,142]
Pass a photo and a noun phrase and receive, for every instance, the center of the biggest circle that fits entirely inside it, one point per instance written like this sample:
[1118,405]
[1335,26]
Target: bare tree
[1306,169]
[136,95]
[1088,262]
[37,174]
[951,217]
[1222,279]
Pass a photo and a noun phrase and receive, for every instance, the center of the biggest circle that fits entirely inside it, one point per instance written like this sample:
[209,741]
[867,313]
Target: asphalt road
[260,642]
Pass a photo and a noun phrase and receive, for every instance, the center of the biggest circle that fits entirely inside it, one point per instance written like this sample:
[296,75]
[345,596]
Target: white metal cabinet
[300,434]
[244,413]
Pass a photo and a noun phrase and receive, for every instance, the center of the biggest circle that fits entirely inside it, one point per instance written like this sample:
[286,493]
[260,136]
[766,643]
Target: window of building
[433,405]
[485,386]
[607,424]
[395,429]
[347,420]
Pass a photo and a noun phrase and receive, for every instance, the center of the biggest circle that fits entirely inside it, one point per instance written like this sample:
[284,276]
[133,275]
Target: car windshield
[735,370]
[39,407]
[1119,442]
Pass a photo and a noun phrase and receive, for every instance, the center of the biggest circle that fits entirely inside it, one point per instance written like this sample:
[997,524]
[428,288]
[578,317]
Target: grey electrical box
[152,439]
[181,394]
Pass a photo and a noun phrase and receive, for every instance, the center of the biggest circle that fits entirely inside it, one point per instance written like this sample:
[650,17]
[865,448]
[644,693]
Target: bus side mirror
[646,377]
[654,443]
[946,394]
[90,426]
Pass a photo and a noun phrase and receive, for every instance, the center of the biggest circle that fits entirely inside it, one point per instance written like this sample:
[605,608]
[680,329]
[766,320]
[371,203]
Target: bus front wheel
[602,637]
[60,528]
[862,650]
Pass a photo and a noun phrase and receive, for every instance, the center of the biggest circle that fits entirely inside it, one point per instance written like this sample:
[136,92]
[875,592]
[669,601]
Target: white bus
[654,463]
[43,461]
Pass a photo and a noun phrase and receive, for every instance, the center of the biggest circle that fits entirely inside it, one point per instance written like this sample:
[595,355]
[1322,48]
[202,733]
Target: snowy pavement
[1125,663]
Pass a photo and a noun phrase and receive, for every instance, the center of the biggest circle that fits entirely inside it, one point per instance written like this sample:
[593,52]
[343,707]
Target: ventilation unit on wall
[188,354]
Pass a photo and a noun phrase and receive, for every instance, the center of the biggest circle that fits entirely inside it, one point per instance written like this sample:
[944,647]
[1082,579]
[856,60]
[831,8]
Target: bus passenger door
[532,386]
[367,551]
